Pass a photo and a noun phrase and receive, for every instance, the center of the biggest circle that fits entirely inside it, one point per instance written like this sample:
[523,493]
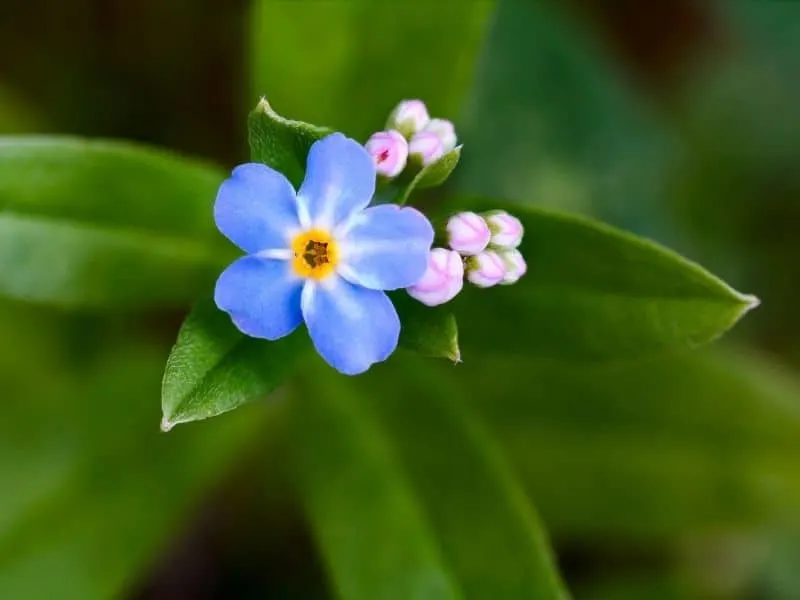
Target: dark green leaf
[281,143]
[552,121]
[105,225]
[214,368]
[594,293]
[370,527]
[428,330]
[93,493]
[432,175]
[439,475]
[689,441]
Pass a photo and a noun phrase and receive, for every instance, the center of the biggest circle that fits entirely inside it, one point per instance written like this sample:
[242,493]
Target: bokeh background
[675,478]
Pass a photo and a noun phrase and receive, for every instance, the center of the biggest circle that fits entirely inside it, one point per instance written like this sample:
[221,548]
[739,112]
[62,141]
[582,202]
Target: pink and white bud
[515,266]
[486,269]
[446,132]
[425,148]
[442,280]
[468,233]
[409,117]
[506,230]
[389,150]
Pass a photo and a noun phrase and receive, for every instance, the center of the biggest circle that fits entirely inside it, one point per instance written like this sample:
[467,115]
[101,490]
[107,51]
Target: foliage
[575,401]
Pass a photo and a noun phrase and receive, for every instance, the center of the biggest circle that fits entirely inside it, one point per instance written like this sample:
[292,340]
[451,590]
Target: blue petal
[262,296]
[387,247]
[256,208]
[351,327]
[340,180]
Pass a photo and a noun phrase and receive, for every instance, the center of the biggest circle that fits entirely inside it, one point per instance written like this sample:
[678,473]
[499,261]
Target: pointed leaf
[595,293]
[280,143]
[214,368]
[104,225]
[434,174]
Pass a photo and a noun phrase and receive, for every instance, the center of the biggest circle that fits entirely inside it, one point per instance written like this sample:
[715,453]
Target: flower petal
[386,247]
[256,208]
[340,180]
[262,296]
[351,327]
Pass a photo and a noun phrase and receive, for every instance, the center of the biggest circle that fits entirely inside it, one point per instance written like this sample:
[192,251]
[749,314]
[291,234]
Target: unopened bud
[468,233]
[486,269]
[515,266]
[445,131]
[506,230]
[408,117]
[425,148]
[389,150]
[442,280]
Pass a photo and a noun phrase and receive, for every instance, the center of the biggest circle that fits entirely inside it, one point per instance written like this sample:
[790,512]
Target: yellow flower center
[315,254]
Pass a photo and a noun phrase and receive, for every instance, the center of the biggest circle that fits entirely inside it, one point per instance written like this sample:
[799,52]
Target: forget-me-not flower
[320,255]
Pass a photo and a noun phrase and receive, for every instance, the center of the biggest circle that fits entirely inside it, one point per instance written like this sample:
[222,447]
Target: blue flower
[320,255]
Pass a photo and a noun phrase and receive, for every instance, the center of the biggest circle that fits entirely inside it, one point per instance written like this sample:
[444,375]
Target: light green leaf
[105,225]
[281,143]
[434,174]
[428,330]
[352,62]
[87,267]
[214,368]
[594,293]
[446,499]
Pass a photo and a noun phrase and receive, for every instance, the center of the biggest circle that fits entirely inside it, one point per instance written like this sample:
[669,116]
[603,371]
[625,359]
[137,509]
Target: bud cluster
[411,137]
[481,247]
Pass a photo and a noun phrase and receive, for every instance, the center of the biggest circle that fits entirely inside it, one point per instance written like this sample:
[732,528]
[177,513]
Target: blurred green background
[666,479]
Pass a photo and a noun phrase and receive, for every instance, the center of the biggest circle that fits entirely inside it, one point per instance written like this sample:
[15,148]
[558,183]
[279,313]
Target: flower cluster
[411,137]
[320,255]
[481,247]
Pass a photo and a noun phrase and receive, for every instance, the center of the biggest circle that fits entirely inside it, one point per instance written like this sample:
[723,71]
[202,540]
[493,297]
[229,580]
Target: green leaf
[434,174]
[428,330]
[214,368]
[347,64]
[553,121]
[281,143]
[84,267]
[689,441]
[370,528]
[105,225]
[93,493]
[440,481]
[594,293]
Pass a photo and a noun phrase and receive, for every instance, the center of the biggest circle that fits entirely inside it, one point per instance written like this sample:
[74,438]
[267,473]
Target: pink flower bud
[506,230]
[425,148]
[446,132]
[468,233]
[443,279]
[389,150]
[515,266]
[486,269]
[408,117]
